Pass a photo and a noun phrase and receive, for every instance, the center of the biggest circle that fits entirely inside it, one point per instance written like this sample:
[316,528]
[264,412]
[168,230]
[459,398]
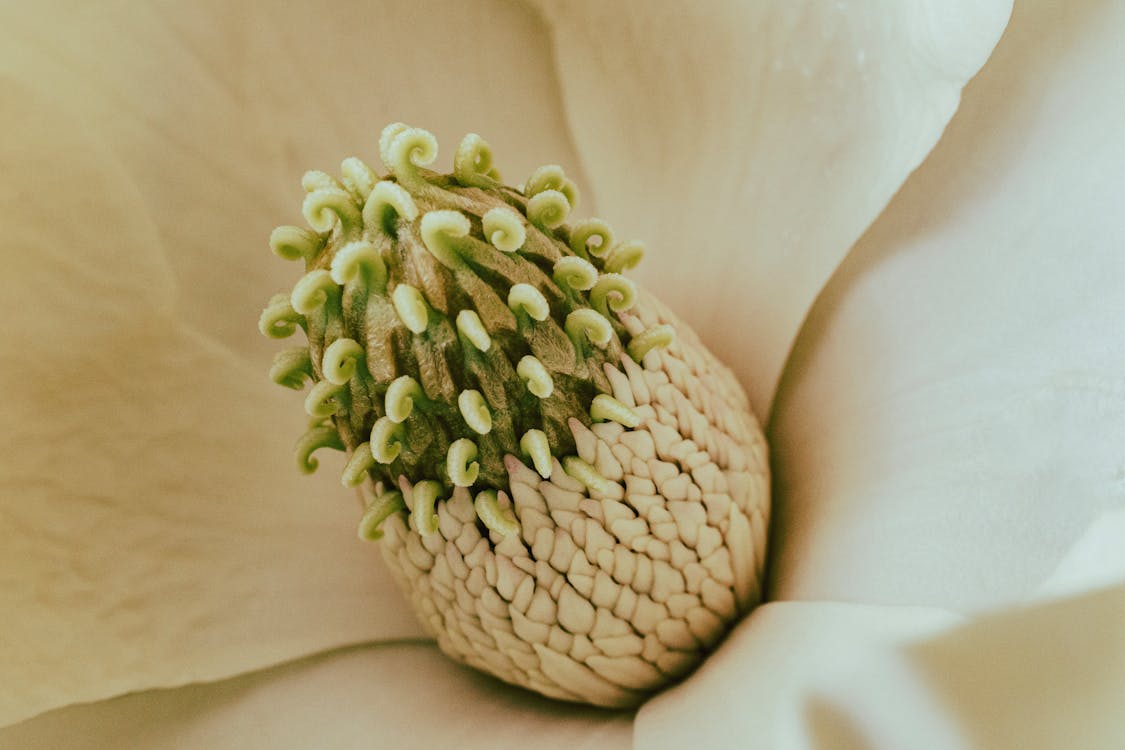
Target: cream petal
[153,529]
[952,419]
[750,144]
[750,693]
[392,696]
[216,108]
[1039,678]
[817,675]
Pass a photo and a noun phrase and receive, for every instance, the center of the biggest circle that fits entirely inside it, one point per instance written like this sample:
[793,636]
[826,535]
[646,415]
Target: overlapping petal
[390,696]
[752,143]
[954,415]
[153,529]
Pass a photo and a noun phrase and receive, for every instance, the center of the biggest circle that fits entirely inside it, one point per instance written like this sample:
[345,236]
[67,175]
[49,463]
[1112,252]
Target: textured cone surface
[574,499]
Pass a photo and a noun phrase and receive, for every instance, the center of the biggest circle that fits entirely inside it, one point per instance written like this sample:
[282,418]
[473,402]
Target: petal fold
[391,696]
[153,530]
[953,416]
[750,144]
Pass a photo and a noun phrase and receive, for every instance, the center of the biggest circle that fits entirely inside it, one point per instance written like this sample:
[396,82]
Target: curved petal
[392,696]
[955,410]
[751,143]
[752,690]
[152,527]
[820,675]
[217,109]
[152,531]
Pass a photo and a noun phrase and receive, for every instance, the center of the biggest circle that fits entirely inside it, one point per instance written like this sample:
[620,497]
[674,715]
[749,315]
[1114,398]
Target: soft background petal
[390,696]
[153,528]
[750,144]
[215,109]
[752,690]
[805,675]
[953,417]
[144,541]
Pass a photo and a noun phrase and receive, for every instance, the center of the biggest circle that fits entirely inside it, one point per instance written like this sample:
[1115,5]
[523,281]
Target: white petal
[148,499]
[750,144]
[830,675]
[393,696]
[1038,678]
[153,528]
[752,691]
[954,415]
[216,109]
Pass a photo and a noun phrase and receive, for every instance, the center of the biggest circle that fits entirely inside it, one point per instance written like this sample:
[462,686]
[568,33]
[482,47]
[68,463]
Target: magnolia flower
[944,436]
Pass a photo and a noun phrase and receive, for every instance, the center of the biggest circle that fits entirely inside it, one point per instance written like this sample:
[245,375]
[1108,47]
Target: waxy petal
[752,143]
[153,531]
[953,418]
[339,700]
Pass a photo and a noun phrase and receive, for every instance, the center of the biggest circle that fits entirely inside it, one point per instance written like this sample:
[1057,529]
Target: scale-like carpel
[451,321]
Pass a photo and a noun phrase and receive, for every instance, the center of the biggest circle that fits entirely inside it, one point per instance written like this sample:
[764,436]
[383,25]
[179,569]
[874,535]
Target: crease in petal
[337,700]
[956,402]
[752,143]
[752,689]
[152,530]
[217,109]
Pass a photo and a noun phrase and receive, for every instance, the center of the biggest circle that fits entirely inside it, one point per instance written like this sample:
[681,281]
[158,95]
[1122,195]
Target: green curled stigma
[496,518]
[474,410]
[292,367]
[386,440]
[400,398]
[592,237]
[295,243]
[407,150]
[606,408]
[321,401]
[358,466]
[551,177]
[426,494]
[534,445]
[380,509]
[472,164]
[573,272]
[279,320]
[461,464]
[359,260]
[358,178]
[613,292]
[439,230]
[625,257]
[535,376]
[471,327]
[587,475]
[313,291]
[453,324]
[504,229]
[583,325]
[319,436]
[657,337]
[411,308]
[548,209]
[340,361]
[327,205]
[314,180]
[526,298]
[386,204]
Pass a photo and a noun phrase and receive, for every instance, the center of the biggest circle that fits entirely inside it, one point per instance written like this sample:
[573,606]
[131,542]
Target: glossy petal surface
[750,144]
[954,416]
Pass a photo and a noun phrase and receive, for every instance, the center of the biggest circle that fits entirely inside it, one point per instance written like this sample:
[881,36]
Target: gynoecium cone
[570,488]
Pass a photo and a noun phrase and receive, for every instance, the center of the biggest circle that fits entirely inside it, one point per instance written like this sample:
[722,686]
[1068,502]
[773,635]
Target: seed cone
[570,488]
